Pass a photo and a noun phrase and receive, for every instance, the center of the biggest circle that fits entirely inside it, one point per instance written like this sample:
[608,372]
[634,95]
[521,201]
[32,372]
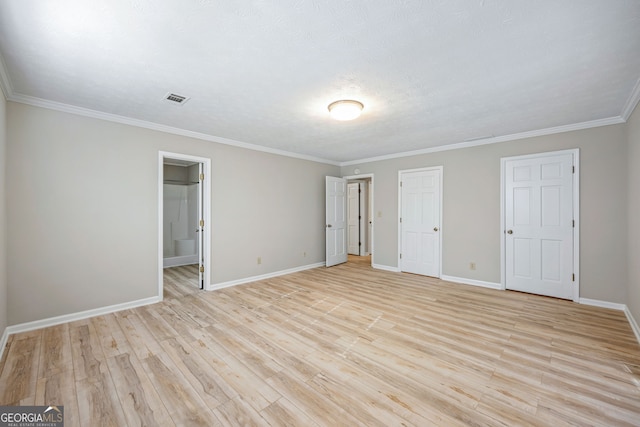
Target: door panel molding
[547,217]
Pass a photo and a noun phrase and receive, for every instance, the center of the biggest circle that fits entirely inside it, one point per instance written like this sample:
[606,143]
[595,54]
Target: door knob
[329,225]
[509,231]
[435,228]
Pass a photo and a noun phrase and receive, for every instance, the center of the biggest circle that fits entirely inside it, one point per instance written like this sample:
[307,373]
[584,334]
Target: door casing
[576,209]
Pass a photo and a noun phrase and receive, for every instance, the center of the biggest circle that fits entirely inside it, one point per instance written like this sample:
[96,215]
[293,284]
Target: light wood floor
[344,346]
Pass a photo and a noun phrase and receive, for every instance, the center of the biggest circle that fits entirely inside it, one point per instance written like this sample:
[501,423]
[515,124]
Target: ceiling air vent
[177,99]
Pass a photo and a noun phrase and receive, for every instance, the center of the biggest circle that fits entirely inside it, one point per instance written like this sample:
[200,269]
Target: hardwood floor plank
[59,389]
[19,376]
[141,404]
[181,401]
[236,412]
[194,369]
[98,400]
[282,413]
[55,356]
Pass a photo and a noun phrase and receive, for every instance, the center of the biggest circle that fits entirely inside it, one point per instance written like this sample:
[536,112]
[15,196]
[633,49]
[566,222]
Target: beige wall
[3,208]
[83,211]
[633,288]
[471,207]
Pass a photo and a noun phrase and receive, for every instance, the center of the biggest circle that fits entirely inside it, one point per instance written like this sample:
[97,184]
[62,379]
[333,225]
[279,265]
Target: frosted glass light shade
[345,109]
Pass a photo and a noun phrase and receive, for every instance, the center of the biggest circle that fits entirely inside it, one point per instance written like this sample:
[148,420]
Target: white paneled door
[539,224]
[336,220]
[420,203]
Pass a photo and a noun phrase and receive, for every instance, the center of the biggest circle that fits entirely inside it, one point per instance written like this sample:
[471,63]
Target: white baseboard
[216,286]
[179,260]
[603,304]
[633,323]
[465,281]
[386,268]
[52,321]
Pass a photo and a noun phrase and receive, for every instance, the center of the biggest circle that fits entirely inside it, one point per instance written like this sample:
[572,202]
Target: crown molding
[632,102]
[493,140]
[5,85]
[66,108]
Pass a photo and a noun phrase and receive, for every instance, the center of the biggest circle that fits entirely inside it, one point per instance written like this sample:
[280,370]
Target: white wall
[83,211]
[3,209]
[471,207]
[633,287]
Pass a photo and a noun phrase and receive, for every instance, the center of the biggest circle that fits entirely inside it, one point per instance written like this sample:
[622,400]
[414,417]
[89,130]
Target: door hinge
[202,269]
[359,191]
[359,243]
[573,277]
[573,223]
[400,183]
[573,169]
[202,223]
[400,220]
[400,256]
[201,177]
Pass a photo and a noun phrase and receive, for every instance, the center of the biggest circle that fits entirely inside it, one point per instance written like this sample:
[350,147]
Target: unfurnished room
[319,213]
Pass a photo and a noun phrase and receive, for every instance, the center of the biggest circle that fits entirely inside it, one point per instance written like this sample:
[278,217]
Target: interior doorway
[183,213]
[360,223]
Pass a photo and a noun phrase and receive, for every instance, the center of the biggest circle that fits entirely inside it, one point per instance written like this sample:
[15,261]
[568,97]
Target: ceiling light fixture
[345,109]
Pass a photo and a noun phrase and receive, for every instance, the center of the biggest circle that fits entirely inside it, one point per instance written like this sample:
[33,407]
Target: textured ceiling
[430,73]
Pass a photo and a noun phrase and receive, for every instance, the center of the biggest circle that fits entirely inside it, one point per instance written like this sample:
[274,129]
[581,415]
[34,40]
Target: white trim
[440,232]
[177,261]
[386,268]
[631,103]
[494,140]
[72,109]
[366,176]
[206,209]
[576,214]
[222,285]
[633,323]
[602,304]
[52,321]
[473,282]
[3,341]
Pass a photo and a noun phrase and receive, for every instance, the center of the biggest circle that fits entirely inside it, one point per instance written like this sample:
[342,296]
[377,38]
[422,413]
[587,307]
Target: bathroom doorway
[184,239]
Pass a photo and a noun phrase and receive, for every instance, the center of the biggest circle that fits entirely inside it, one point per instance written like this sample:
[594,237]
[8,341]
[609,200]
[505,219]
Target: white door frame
[365,176]
[576,209]
[426,169]
[206,210]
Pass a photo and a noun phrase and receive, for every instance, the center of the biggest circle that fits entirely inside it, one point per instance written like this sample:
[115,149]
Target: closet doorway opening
[183,213]
[360,217]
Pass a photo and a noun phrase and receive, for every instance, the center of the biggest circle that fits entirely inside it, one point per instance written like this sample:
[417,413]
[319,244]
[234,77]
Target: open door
[200,230]
[336,220]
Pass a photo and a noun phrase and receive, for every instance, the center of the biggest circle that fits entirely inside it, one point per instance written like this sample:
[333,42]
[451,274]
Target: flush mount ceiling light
[345,109]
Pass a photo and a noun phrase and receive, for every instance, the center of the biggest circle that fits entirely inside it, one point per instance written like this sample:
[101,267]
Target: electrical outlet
[472,266]
[259,260]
